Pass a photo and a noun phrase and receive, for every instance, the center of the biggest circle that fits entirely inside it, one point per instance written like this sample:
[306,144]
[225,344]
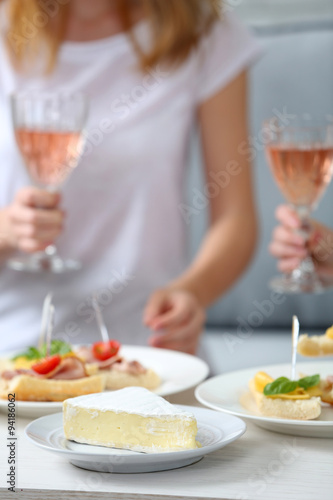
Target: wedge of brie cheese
[132,418]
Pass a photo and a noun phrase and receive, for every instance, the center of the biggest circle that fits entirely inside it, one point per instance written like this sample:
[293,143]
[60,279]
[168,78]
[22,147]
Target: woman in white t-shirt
[152,70]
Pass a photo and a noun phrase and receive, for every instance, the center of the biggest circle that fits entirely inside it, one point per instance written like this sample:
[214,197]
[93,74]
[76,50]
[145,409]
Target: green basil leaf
[57,347]
[60,347]
[307,382]
[281,385]
[30,354]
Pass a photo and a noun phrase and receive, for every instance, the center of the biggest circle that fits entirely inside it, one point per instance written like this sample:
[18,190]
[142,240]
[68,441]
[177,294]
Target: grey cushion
[295,73]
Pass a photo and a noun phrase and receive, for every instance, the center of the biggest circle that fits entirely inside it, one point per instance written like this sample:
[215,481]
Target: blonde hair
[176,26]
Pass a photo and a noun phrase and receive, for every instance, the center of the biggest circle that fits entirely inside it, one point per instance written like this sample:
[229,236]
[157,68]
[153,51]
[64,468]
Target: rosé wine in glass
[49,156]
[301,174]
[48,131]
[301,160]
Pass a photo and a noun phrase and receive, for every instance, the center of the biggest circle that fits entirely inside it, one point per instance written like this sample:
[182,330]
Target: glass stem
[306,269]
[51,251]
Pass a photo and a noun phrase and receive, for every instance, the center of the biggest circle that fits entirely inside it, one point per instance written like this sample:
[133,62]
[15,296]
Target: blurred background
[293,76]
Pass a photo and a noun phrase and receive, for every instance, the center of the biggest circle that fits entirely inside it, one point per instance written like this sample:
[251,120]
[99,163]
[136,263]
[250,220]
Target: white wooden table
[261,465]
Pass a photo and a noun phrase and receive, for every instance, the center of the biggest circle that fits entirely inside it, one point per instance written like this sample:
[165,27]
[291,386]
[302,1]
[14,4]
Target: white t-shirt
[124,222]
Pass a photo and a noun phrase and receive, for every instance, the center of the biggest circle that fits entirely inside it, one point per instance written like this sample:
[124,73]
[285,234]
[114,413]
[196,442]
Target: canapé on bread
[33,376]
[119,371]
[316,345]
[27,388]
[284,398]
[326,387]
[294,409]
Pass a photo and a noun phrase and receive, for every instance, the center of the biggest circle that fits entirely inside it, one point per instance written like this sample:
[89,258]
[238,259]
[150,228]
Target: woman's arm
[24,226]
[231,237]
[289,247]
[230,240]
[7,241]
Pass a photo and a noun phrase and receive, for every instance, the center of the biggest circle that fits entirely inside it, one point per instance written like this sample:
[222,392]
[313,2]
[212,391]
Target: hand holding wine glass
[290,248]
[48,131]
[29,227]
[301,160]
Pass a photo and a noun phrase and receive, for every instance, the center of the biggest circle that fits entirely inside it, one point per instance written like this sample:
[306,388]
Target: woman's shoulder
[4,17]
[224,52]
[227,37]
[4,34]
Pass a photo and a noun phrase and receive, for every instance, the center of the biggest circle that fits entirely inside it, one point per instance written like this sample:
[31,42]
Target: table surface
[252,468]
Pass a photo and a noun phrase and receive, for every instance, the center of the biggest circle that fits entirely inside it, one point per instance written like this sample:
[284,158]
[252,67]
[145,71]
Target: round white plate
[215,431]
[229,393]
[178,372]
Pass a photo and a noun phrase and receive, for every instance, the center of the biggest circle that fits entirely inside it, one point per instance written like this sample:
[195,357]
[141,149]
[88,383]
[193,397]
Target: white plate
[229,393]
[214,432]
[178,372]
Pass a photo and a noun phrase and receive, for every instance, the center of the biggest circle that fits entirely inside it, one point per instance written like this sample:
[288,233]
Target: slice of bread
[297,409]
[6,364]
[327,392]
[316,345]
[28,388]
[119,379]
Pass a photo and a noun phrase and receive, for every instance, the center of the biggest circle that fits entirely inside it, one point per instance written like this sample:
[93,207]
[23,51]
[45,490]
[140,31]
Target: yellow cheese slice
[261,379]
[329,332]
[24,363]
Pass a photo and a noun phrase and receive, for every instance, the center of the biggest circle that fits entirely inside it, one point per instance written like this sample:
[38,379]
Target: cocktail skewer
[50,328]
[99,319]
[45,319]
[294,341]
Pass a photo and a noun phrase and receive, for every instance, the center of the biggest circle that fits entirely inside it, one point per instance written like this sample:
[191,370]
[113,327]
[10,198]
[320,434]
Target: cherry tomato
[105,350]
[47,365]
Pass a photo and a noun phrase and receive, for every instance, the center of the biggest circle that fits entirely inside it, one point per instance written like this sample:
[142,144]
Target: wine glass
[48,130]
[301,160]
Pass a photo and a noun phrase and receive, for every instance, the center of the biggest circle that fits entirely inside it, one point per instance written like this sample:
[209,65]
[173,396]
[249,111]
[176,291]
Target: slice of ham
[70,368]
[115,363]
[9,374]
[329,380]
[85,353]
[132,367]
[108,363]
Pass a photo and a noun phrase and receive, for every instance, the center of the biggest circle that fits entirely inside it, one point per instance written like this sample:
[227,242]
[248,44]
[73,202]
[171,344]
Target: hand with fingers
[176,319]
[33,221]
[290,247]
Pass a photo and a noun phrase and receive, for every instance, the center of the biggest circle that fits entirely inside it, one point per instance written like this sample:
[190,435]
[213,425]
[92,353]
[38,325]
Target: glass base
[41,262]
[288,284]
